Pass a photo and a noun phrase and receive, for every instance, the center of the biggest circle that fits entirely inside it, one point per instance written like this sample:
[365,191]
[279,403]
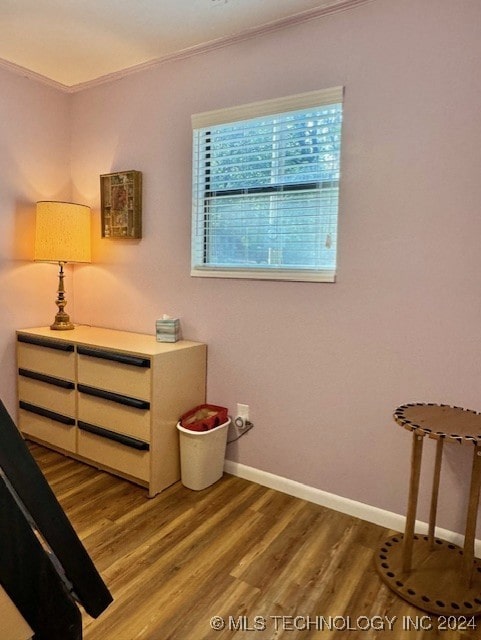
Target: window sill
[292,275]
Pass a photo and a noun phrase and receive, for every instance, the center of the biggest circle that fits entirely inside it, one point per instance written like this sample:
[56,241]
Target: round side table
[430,573]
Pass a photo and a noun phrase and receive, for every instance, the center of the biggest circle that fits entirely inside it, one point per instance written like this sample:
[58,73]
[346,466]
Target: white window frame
[297,102]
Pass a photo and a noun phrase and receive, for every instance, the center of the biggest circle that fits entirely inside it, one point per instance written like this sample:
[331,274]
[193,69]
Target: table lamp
[62,234]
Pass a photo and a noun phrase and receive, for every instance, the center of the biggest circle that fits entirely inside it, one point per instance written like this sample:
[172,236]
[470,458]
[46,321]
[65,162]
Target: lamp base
[62,324]
[62,319]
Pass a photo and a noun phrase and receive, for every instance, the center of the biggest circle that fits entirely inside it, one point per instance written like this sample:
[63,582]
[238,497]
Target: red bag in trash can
[204,417]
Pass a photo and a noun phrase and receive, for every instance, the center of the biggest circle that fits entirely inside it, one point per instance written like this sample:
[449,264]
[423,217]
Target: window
[266,188]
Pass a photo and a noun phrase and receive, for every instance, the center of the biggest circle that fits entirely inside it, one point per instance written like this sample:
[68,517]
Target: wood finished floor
[234,550]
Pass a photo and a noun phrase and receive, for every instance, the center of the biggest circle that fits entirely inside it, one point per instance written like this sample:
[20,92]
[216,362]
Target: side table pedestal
[430,573]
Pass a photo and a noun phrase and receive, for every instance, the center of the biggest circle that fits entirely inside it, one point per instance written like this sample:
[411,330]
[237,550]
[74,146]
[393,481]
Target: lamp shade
[62,232]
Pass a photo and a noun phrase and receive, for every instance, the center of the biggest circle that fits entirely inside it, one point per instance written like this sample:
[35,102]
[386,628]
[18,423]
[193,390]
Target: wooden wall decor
[121,205]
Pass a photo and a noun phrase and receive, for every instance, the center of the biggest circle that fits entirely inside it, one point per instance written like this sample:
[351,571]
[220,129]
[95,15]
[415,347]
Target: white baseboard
[386,519]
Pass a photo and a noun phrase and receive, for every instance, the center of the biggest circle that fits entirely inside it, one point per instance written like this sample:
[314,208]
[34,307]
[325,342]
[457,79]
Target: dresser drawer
[114,416]
[114,455]
[47,430]
[115,371]
[47,359]
[49,396]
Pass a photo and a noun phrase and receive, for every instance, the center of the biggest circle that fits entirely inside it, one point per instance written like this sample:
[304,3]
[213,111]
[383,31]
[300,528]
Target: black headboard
[26,497]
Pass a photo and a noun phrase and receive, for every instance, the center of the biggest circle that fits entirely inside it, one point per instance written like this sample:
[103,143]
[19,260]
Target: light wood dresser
[109,398]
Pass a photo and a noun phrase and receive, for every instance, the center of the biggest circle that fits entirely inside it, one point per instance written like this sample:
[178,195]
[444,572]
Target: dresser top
[110,339]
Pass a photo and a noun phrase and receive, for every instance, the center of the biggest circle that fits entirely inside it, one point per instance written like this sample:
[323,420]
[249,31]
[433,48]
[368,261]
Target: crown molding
[329,7]
[32,75]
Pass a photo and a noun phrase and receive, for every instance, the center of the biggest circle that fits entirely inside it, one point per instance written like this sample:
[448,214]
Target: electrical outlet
[243,411]
[241,423]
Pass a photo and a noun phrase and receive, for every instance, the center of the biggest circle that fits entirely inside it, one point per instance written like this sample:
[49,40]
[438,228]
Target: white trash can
[202,455]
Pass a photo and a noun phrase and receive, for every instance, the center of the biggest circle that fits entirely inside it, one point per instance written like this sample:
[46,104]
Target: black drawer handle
[41,377]
[121,358]
[114,397]
[128,441]
[46,413]
[45,342]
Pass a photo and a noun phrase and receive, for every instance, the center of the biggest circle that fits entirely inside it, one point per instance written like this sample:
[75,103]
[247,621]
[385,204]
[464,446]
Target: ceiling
[78,41]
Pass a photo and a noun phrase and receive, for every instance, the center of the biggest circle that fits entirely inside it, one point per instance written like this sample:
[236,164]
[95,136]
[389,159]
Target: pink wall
[34,165]
[322,366]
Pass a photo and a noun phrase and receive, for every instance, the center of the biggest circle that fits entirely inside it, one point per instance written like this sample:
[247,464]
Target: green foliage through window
[266,192]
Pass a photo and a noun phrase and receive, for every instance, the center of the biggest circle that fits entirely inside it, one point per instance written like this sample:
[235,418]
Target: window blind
[265,188]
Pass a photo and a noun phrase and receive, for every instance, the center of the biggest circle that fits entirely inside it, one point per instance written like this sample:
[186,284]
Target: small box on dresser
[109,398]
